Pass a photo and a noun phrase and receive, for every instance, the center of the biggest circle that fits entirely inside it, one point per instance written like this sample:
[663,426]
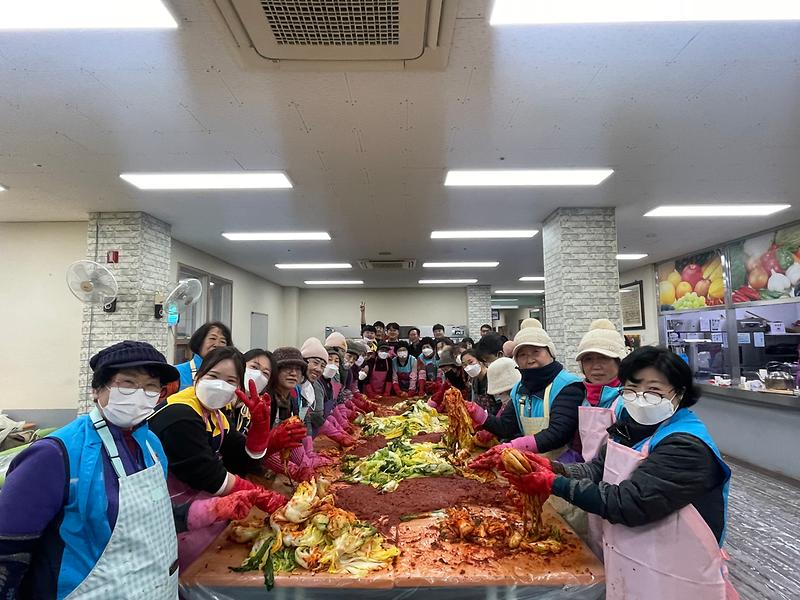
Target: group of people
[134,491]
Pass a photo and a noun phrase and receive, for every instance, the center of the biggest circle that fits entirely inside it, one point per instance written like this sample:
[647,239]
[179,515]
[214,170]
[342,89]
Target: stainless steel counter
[768,399]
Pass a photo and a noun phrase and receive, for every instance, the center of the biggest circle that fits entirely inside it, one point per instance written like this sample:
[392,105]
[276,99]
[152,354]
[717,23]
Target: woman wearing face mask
[452,372]
[660,484]
[86,512]
[204,340]
[207,457]
[354,359]
[405,371]
[258,369]
[430,375]
[475,370]
[543,413]
[379,373]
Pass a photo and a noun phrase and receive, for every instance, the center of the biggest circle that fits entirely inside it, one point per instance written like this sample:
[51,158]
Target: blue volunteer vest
[431,367]
[85,528]
[685,421]
[187,371]
[533,406]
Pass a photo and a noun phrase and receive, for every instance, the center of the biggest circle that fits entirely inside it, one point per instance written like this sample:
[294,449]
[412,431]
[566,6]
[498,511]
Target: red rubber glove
[537,483]
[260,408]
[289,434]
[485,439]
[232,507]
[539,462]
[477,414]
[430,387]
[268,501]
[489,459]
[300,472]
[438,395]
[241,485]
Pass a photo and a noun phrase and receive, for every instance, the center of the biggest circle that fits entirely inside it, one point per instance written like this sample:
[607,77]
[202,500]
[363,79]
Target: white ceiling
[683,113]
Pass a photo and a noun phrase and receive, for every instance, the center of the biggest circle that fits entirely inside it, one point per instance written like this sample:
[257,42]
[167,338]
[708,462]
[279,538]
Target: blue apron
[188,370]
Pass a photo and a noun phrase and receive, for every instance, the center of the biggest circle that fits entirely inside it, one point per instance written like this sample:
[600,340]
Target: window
[216,304]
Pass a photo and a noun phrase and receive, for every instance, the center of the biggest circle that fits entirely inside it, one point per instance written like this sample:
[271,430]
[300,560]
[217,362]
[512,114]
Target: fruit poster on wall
[767,266]
[693,281]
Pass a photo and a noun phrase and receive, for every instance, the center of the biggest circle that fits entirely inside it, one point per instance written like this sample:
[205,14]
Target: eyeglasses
[649,397]
[127,389]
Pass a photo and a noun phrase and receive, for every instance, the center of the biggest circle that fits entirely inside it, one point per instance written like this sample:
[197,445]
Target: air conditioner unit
[342,34]
[387,265]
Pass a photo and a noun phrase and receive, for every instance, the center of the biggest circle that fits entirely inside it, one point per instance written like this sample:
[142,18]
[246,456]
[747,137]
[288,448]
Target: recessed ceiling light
[630,256]
[85,14]
[717,210]
[519,292]
[445,281]
[525,177]
[459,265]
[252,180]
[512,307]
[319,266]
[484,234]
[525,12]
[531,278]
[328,282]
[278,236]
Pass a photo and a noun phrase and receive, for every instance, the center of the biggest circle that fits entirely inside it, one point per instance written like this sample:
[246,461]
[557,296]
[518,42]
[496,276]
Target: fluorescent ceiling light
[343,282]
[253,180]
[504,307]
[537,12]
[630,256]
[320,266]
[85,14]
[3,188]
[441,281]
[531,278]
[484,234]
[519,292]
[278,236]
[524,177]
[460,265]
[717,210]
[505,299]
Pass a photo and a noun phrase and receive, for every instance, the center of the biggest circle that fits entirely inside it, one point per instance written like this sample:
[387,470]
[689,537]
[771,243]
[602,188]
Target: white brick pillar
[144,245]
[479,308]
[581,275]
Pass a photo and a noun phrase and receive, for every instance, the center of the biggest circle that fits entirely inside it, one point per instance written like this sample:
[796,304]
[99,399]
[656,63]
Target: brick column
[144,245]
[479,308]
[581,275]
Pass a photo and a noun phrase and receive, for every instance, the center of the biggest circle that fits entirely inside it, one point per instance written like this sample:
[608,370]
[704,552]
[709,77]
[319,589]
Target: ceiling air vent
[340,34]
[387,265]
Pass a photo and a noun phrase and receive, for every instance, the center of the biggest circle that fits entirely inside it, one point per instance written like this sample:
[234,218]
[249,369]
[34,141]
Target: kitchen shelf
[774,398]
[691,310]
[765,302]
[781,334]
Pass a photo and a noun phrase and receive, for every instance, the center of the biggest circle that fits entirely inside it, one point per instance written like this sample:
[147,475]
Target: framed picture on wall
[631,299]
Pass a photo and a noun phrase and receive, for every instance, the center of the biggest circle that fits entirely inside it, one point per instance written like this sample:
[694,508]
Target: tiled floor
[763,536]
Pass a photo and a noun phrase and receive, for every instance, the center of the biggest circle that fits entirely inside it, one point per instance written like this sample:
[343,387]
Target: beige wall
[250,293]
[41,318]
[412,306]
[647,275]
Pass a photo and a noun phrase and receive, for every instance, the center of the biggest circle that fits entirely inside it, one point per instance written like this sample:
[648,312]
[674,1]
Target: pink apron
[378,381]
[191,544]
[593,421]
[676,558]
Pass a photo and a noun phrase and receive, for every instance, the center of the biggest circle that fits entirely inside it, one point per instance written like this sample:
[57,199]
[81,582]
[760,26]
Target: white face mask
[360,361]
[214,393]
[330,370]
[402,354]
[383,355]
[129,409]
[362,375]
[427,352]
[646,413]
[258,377]
[473,371]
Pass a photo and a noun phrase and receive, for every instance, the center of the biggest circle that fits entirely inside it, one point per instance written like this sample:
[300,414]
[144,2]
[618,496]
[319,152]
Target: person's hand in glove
[489,459]
[289,434]
[301,472]
[404,395]
[538,483]
[430,387]
[437,399]
[260,411]
[268,501]
[315,460]
[477,414]
[232,507]
[485,439]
